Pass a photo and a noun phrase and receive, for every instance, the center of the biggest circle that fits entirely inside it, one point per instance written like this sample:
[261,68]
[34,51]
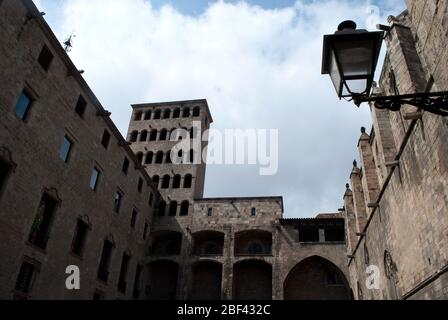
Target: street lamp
[350,57]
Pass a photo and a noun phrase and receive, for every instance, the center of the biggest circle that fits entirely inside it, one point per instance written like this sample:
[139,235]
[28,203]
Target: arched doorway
[163,280]
[252,280]
[207,278]
[316,278]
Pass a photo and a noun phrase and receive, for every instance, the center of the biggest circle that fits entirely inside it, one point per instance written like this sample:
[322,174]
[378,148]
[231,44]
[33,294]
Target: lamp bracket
[433,102]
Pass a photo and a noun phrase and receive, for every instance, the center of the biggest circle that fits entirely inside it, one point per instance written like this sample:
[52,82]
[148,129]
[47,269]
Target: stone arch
[166,243]
[252,280]
[316,278]
[253,243]
[208,243]
[206,280]
[163,275]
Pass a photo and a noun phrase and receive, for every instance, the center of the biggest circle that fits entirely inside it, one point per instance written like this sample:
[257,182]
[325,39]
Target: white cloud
[257,68]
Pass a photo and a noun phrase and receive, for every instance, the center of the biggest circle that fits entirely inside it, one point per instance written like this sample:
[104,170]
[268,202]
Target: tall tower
[154,130]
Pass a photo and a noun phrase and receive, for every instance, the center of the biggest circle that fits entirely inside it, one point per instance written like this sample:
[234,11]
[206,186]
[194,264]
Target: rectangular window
[40,230]
[81,106]
[80,237]
[140,185]
[94,178]
[209,212]
[105,139]
[136,291]
[145,231]
[25,278]
[117,201]
[103,270]
[23,105]
[123,273]
[66,148]
[45,58]
[133,218]
[125,167]
[5,168]
[309,234]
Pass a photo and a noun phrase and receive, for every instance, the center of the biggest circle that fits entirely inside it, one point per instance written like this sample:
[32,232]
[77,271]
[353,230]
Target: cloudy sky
[256,62]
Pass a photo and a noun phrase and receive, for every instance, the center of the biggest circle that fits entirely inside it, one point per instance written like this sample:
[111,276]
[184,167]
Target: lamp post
[350,57]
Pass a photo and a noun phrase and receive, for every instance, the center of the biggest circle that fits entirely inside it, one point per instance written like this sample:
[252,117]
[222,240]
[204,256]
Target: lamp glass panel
[355,57]
[355,86]
[334,73]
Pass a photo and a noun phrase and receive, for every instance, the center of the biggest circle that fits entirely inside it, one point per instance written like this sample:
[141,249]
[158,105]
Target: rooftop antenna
[68,44]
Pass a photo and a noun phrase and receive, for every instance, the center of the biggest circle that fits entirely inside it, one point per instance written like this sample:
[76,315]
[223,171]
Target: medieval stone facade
[396,209]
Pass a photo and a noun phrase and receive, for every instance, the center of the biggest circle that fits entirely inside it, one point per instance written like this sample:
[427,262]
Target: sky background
[256,62]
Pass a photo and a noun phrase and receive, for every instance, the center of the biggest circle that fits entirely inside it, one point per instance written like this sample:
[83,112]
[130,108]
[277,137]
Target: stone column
[227,268]
[350,220]
[359,204]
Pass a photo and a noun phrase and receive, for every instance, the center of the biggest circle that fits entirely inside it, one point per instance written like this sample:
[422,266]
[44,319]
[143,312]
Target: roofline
[74,72]
[278,198]
[166,103]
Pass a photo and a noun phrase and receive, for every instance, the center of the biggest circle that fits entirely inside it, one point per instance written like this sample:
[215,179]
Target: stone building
[396,207]
[74,192]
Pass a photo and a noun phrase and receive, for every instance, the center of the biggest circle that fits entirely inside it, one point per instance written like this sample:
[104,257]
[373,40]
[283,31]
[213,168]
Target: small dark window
[80,237]
[335,234]
[143,136]
[138,116]
[25,278]
[176,113]
[133,137]
[176,181]
[105,139]
[166,182]
[151,199]
[173,208]
[157,114]
[159,157]
[125,167]
[163,134]
[40,230]
[167,114]
[133,218]
[136,290]
[191,156]
[5,168]
[140,185]
[94,178]
[66,148]
[45,58]
[148,115]
[153,135]
[81,106]
[103,270]
[196,111]
[23,105]
[188,181]
[253,212]
[168,157]
[209,212]
[184,207]
[149,156]
[145,231]
[156,179]
[123,273]
[186,113]
[309,234]
[117,201]
[140,157]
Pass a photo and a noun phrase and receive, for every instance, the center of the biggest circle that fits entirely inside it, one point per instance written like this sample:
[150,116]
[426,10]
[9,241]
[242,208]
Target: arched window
[253,212]
[133,136]
[138,116]
[143,136]
[159,157]
[166,182]
[157,114]
[186,113]
[196,111]
[156,179]
[168,157]
[149,157]
[184,207]
[162,208]
[148,115]
[140,157]
[176,113]
[187,181]
[173,208]
[153,135]
[167,114]
[176,181]
[163,134]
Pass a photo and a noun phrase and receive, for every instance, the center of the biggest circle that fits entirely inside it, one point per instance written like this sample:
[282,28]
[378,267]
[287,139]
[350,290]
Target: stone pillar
[359,204]
[277,283]
[369,178]
[350,220]
[227,268]
[184,276]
